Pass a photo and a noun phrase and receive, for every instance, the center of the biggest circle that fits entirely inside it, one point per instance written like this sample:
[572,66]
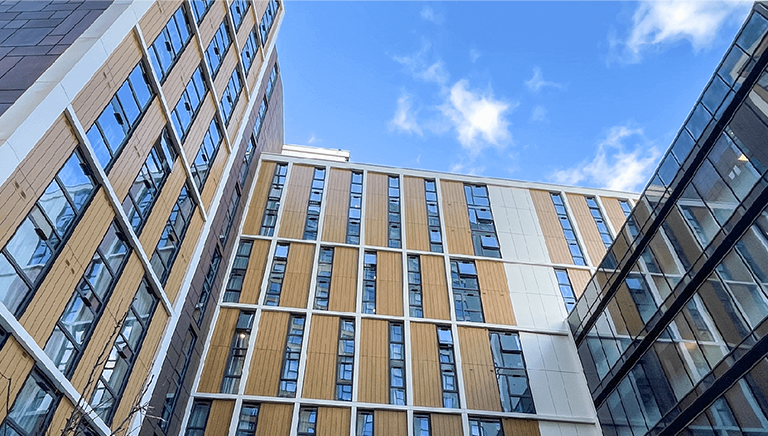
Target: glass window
[565,223]
[233,370]
[32,408]
[466,291]
[485,427]
[198,418]
[364,423]
[447,368]
[307,421]
[249,415]
[510,373]
[421,425]
[290,373]
[345,359]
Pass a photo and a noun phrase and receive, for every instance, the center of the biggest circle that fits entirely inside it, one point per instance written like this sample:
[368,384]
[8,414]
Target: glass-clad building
[672,329]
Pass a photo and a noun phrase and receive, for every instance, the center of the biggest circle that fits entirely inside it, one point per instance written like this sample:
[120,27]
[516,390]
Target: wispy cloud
[623,161]
[420,68]
[474,55]
[429,14]
[539,113]
[312,139]
[537,82]
[467,168]
[405,119]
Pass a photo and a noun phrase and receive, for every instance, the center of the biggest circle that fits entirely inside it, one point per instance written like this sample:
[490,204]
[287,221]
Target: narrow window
[217,49]
[345,360]
[198,418]
[189,104]
[169,245]
[314,203]
[273,201]
[421,426]
[355,208]
[466,291]
[200,8]
[206,155]
[237,274]
[268,19]
[393,216]
[414,287]
[323,280]
[565,223]
[566,290]
[249,415]
[597,215]
[485,427]
[205,293]
[625,207]
[237,351]
[271,83]
[396,364]
[238,8]
[260,119]
[510,372]
[290,373]
[250,48]
[32,409]
[447,368]
[167,47]
[307,421]
[276,275]
[433,217]
[229,219]
[231,95]
[176,381]
[369,282]
[247,158]
[364,423]
[484,237]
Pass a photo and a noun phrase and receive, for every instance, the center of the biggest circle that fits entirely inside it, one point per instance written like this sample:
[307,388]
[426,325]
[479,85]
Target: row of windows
[250,48]
[189,104]
[167,47]
[176,380]
[484,237]
[260,118]
[231,95]
[314,203]
[206,155]
[565,223]
[271,82]
[238,8]
[269,220]
[173,234]
[233,371]
[354,213]
[200,8]
[597,215]
[268,19]
[229,217]
[217,49]
[205,292]
[393,212]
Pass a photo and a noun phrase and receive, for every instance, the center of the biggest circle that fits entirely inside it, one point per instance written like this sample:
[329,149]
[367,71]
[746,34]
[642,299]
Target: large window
[369,282]
[314,204]
[206,155]
[269,220]
[433,217]
[200,8]
[230,95]
[323,280]
[237,273]
[33,408]
[176,381]
[237,351]
[217,49]
[447,368]
[167,47]
[484,237]
[510,373]
[466,291]
[345,360]
[565,223]
[276,275]
[289,376]
[396,364]
[189,104]
[173,235]
[355,208]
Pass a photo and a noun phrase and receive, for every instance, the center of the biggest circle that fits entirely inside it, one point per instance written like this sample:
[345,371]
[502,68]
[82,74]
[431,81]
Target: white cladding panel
[517,225]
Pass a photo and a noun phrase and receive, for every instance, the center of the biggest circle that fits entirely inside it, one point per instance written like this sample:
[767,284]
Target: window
[237,351]
[355,208]
[481,221]
[145,190]
[421,425]
[276,275]
[249,415]
[433,217]
[238,8]
[466,291]
[565,223]
[510,373]
[198,418]
[364,423]
[314,203]
[345,360]
[201,166]
[625,207]
[247,158]
[393,218]
[290,373]
[173,235]
[307,421]
[260,119]
[176,381]
[217,49]
[447,368]
[237,274]
[229,219]
[205,293]
[167,47]
[414,287]
[485,427]
[189,104]
[566,290]
[396,364]
[200,8]
[323,281]
[250,48]
[271,83]
[119,365]
[273,201]
[594,210]
[31,250]
[117,121]
[230,95]
[369,282]
[3,337]
[75,326]
[268,19]
[33,408]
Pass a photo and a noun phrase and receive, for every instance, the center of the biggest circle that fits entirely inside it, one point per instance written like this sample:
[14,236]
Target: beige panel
[215,176]
[219,417]
[245,29]
[320,377]
[434,289]
[343,280]
[494,292]
[590,236]
[211,22]
[184,258]
[157,219]
[218,351]
[267,361]
[257,263]
[551,228]
[386,422]
[376,210]
[374,362]
[298,272]
[579,280]
[480,383]
[274,419]
[331,421]
[63,413]
[15,364]
[456,217]
[225,71]
[238,113]
[337,205]
[294,215]
[445,425]
[389,283]
[156,18]
[199,128]
[427,380]
[181,73]
[520,427]
[252,223]
[415,203]
[614,212]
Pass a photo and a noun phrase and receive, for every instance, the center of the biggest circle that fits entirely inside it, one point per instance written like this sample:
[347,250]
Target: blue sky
[581,93]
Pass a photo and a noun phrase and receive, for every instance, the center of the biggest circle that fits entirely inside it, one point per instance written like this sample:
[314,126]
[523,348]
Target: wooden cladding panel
[456,217]
[374,362]
[60,417]
[219,417]
[155,19]
[218,351]
[199,127]
[267,361]
[520,427]
[551,228]
[388,422]
[158,217]
[343,280]
[590,236]
[480,383]
[184,258]
[298,273]
[377,210]
[245,28]
[15,364]
[274,419]
[415,203]
[444,424]
[332,420]
[427,380]
[252,223]
[257,264]
[579,280]
[337,205]
[434,289]
[228,65]
[215,176]
[614,213]
[494,292]
[238,113]
[211,22]
[389,283]
[181,73]
[296,197]
[320,377]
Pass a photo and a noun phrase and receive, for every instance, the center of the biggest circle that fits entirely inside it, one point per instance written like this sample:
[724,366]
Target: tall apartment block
[671,330]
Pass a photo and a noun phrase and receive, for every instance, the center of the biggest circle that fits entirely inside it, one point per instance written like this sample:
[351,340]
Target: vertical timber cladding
[257,263]
[427,380]
[444,424]
[456,215]
[298,272]
[274,419]
[15,365]
[337,206]
[343,280]
[259,199]
[415,203]
[480,383]
[387,422]
[434,290]
[376,210]
[614,212]
[294,215]
[219,417]
[266,363]
[154,20]
[218,351]
[551,228]
[579,279]
[62,414]
[320,375]
[520,427]
[389,284]
[330,420]
[587,227]
[374,362]
[494,292]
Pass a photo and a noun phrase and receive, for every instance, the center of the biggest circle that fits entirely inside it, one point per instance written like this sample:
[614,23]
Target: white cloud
[429,14]
[657,22]
[539,113]
[420,68]
[537,82]
[617,164]
[464,168]
[312,139]
[474,55]
[405,119]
